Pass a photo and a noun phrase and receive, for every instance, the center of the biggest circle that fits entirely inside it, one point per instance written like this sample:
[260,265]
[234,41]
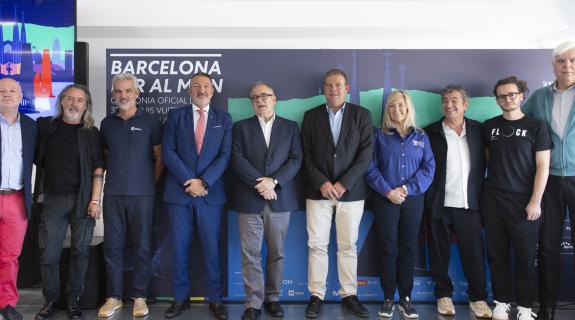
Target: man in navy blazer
[196,149]
[266,156]
[18,136]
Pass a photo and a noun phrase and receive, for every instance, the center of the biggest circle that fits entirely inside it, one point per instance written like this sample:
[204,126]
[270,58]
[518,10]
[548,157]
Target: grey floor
[31,301]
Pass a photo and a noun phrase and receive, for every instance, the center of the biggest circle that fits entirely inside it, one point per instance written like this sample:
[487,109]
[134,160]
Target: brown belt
[8,191]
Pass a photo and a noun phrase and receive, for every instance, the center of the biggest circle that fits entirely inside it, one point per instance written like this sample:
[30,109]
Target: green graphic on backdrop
[36,34]
[427,107]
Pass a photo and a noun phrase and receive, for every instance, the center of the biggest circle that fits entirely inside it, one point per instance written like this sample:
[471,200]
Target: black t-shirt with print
[512,146]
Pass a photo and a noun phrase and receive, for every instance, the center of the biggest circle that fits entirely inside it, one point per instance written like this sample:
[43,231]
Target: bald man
[18,135]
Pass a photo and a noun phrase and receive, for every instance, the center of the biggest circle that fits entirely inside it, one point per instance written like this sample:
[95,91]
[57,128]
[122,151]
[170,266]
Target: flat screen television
[37,38]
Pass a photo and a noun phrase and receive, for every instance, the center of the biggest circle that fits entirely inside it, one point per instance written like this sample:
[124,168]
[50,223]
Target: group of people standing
[511,176]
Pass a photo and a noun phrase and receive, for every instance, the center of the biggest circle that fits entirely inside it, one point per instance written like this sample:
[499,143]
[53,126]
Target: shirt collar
[196,108]
[6,122]
[556,89]
[334,113]
[463,131]
[139,112]
[263,121]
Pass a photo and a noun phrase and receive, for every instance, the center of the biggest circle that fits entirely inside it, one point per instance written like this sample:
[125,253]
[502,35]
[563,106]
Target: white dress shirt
[457,168]
[267,128]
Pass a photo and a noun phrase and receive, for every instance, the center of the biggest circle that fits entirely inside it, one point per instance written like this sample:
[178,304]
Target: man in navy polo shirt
[131,139]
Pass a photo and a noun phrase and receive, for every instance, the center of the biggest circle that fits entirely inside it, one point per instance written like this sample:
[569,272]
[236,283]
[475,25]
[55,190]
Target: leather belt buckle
[8,191]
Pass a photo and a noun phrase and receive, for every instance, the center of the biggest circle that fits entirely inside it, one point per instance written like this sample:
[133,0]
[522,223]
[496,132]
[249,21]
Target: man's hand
[265,184]
[195,188]
[533,210]
[269,195]
[340,189]
[328,191]
[94,210]
[397,195]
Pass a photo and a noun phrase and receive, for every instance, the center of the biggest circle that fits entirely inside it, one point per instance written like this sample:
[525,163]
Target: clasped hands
[195,188]
[266,188]
[397,195]
[332,191]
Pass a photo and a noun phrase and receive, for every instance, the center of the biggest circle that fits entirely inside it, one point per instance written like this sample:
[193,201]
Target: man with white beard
[69,174]
[131,138]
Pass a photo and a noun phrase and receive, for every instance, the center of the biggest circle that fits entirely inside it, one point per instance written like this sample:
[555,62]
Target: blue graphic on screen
[37,40]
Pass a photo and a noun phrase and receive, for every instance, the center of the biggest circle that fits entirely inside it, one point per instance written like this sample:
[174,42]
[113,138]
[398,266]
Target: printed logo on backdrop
[163,76]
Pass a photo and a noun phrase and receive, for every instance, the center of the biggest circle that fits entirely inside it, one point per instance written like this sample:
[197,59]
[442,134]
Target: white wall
[313,24]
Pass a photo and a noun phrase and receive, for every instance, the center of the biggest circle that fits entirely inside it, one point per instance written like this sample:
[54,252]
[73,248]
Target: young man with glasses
[517,153]
[266,157]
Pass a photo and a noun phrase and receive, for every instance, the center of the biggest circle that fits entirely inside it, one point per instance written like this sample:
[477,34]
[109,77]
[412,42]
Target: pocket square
[217,126]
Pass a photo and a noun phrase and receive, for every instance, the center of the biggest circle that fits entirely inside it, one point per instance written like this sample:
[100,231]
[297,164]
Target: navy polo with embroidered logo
[128,173]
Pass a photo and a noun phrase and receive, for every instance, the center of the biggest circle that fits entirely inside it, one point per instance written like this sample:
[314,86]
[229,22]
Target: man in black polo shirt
[131,139]
[69,174]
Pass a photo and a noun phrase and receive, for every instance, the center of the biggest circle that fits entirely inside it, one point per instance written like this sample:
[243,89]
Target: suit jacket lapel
[256,132]
[345,124]
[324,124]
[275,133]
[189,123]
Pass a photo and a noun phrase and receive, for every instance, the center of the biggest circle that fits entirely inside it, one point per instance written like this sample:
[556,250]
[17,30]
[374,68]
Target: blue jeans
[398,230]
[60,211]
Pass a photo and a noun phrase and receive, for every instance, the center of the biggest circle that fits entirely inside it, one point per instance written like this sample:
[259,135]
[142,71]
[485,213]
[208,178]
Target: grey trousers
[254,228]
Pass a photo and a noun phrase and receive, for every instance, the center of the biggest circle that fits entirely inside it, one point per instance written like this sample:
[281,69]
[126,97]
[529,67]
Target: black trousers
[558,199]
[60,212]
[398,228]
[128,221]
[466,224]
[507,228]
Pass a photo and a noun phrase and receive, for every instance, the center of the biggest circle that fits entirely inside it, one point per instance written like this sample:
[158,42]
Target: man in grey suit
[337,146]
[266,156]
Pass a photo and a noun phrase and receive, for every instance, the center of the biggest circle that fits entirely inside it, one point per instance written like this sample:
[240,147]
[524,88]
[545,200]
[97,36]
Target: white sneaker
[501,311]
[445,306]
[525,313]
[108,309]
[480,309]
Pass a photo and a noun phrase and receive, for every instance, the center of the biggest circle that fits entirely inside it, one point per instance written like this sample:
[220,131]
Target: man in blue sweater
[554,104]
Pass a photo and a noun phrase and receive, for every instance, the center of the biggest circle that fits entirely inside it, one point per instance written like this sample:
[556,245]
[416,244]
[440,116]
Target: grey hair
[561,49]
[87,119]
[124,77]
[262,83]
[455,88]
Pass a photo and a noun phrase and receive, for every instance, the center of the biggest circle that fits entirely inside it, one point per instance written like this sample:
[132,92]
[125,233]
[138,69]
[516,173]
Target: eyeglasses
[264,97]
[503,97]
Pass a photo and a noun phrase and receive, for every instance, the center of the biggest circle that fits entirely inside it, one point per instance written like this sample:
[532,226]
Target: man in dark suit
[337,147]
[18,134]
[452,202]
[266,156]
[196,149]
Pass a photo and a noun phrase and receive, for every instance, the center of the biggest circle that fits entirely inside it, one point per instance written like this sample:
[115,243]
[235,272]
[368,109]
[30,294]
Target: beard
[72,116]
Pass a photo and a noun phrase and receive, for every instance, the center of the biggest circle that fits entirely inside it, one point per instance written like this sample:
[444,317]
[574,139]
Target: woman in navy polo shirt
[400,172]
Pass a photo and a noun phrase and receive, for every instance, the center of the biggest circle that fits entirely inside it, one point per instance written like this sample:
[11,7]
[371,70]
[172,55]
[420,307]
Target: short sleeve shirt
[130,162]
[512,146]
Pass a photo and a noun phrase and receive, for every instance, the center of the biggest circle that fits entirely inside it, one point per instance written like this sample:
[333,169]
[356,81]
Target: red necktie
[200,130]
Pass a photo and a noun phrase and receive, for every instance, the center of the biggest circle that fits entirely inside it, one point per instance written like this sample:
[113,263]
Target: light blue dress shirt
[12,161]
[335,119]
